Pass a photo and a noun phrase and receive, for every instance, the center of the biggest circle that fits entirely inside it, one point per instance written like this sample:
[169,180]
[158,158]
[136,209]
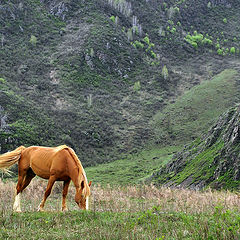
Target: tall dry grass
[122,199]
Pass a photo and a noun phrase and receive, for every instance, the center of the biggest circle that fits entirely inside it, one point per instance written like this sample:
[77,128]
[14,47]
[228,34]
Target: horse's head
[82,195]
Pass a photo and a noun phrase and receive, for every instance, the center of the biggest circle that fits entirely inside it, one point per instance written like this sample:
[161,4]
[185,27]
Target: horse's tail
[10,158]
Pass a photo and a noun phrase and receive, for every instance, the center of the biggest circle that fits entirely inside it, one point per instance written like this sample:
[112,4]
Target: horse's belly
[40,170]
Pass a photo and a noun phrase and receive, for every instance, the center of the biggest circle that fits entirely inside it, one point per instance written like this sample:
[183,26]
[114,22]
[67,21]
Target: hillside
[97,75]
[188,118]
[212,160]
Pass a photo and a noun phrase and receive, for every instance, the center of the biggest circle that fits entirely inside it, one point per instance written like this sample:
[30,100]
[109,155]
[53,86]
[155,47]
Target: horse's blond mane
[79,164]
[10,158]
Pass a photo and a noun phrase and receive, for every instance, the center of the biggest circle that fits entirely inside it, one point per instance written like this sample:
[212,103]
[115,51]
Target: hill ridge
[212,160]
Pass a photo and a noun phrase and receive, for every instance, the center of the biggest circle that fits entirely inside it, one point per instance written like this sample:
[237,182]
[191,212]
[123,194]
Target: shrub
[176,10]
[114,19]
[137,86]
[150,46]
[232,50]
[198,39]
[225,20]
[217,46]
[33,40]
[164,5]
[220,51]
[173,30]
[2,80]
[207,41]
[138,44]
[153,54]
[146,40]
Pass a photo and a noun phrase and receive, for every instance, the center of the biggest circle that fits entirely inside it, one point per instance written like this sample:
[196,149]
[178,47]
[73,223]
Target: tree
[33,40]
[165,72]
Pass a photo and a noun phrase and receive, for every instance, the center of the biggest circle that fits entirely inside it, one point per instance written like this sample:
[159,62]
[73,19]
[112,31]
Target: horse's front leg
[64,194]
[51,181]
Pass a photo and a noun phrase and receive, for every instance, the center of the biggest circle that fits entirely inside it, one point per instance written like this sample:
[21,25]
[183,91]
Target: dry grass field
[131,212]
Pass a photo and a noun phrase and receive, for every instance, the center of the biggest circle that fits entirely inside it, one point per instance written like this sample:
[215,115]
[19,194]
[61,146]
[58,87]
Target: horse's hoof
[17,210]
[64,209]
[40,209]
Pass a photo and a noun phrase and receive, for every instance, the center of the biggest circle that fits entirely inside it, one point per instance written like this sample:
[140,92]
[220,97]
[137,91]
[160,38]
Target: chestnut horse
[55,164]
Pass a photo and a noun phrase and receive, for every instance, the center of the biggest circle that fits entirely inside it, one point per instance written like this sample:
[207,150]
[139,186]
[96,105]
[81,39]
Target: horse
[53,163]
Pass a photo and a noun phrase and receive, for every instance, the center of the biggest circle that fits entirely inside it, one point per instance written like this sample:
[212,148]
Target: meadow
[121,212]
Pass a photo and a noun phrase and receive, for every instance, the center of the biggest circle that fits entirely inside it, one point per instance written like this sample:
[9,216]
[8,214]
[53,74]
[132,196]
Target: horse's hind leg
[16,205]
[23,181]
[28,178]
[64,194]
[51,181]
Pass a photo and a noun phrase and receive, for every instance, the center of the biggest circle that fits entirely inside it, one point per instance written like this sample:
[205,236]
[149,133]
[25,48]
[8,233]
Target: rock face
[3,120]
[212,160]
[4,129]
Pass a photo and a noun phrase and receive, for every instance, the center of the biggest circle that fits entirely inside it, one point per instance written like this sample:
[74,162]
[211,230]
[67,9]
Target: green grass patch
[133,168]
[150,224]
[193,112]
[199,167]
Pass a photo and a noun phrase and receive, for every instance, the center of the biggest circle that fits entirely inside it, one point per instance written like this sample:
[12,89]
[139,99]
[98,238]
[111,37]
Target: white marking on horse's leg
[16,205]
[40,208]
[87,203]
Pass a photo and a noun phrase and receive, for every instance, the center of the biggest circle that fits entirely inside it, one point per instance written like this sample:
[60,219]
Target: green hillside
[212,160]
[194,112]
[132,169]
[188,118]
[109,78]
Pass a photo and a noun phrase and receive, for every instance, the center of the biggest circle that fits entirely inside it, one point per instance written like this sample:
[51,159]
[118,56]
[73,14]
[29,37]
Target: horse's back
[45,161]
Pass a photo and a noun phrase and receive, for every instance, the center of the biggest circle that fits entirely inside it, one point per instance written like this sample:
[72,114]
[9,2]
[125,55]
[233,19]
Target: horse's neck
[77,177]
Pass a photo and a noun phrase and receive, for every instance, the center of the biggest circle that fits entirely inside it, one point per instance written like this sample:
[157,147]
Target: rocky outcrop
[4,129]
[3,120]
[212,160]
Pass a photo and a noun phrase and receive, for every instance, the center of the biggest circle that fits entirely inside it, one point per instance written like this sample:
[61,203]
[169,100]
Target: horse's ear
[82,184]
[90,183]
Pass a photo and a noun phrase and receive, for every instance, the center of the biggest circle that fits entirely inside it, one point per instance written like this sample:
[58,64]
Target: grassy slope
[192,113]
[189,117]
[131,169]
